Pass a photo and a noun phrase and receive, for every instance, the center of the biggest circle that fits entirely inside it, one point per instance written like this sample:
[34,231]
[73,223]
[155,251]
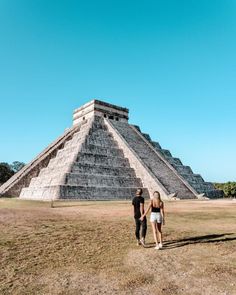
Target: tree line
[229,189]
[8,170]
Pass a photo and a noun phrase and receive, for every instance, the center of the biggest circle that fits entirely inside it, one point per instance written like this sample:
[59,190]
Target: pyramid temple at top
[102,156]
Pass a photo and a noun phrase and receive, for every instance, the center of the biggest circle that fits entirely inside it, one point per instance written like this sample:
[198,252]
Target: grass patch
[90,248]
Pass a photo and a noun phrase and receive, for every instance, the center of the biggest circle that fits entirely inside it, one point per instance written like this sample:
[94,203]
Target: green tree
[229,189]
[5,172]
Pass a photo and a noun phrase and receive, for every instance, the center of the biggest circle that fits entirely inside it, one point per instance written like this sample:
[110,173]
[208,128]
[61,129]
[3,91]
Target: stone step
[62,166]
[65,155]
[93,192]
[183,169]
[101,180]
[156,145]
[155,163]
[46,193]
[92,168]
[193,178]
[75,140]
[214,193]
[208,186]
[99,132]
[47,181]
[80,192]
[103,169]
[147,136]
[67,151]
[91,148]
[103,160]
[202,187]
[166,153]
[101,143]
[174,161]
[101,140]
[85,179]
[60,161]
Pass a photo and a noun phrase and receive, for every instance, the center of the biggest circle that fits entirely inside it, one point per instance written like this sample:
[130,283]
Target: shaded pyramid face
[102,156]
[162,172]
[89,166]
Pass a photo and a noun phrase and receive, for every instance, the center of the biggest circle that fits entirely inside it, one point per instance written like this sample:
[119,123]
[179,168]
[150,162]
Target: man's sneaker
[160,245]
[142,241]
[138,242]
[157,247]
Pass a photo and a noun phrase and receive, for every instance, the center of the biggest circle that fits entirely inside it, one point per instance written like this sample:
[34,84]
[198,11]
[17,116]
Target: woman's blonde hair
[156,199]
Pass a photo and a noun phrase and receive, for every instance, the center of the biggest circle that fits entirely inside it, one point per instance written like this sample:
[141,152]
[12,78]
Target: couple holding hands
[157,217]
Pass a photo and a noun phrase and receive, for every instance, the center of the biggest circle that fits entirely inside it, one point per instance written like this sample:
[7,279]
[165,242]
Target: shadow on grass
[212,238]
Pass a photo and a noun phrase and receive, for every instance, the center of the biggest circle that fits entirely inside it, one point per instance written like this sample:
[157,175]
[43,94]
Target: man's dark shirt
[136,203]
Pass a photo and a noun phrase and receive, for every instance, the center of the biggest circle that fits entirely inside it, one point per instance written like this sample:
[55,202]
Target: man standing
[138,203]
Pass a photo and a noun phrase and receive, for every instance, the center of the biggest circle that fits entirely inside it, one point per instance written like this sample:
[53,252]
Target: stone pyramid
[103,157]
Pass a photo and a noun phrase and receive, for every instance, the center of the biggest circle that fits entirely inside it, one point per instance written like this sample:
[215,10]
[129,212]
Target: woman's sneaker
[157,247]
[160,245]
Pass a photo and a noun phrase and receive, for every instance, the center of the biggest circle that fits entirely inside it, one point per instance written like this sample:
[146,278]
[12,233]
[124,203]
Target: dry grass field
[89,248]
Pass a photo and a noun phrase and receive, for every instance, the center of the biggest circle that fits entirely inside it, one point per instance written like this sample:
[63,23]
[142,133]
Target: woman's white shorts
[156,217]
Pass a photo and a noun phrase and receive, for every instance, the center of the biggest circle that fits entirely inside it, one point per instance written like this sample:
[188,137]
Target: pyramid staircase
[89,166]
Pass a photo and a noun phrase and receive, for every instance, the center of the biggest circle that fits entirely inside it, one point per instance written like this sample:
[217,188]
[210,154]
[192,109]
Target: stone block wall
[194,180]
[21,179]
[164,177]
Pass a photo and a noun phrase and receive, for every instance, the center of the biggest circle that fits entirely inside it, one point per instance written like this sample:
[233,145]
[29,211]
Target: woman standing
[157,217]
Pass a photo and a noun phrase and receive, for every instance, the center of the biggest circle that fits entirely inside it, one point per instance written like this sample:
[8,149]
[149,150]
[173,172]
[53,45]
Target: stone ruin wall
[142,172]
[100,109]
[146,157]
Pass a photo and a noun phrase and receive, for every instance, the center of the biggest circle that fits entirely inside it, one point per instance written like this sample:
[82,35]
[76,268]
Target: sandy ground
[89,248]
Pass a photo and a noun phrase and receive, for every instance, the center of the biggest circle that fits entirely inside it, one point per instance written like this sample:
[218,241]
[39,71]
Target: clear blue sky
[171,62]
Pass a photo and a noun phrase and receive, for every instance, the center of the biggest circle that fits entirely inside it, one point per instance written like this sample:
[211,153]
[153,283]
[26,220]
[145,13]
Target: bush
[7,170]
[229,189]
